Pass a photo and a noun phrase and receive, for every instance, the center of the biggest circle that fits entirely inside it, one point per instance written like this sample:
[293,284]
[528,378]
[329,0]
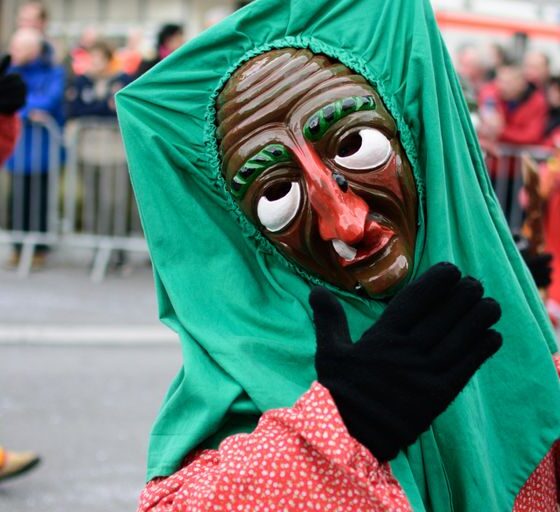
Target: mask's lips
[376,238]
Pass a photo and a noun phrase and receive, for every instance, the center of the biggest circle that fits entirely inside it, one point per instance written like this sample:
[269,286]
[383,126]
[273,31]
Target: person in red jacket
[512,110]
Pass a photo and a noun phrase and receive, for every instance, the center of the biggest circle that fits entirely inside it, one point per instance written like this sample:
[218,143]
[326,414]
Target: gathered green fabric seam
[214,161]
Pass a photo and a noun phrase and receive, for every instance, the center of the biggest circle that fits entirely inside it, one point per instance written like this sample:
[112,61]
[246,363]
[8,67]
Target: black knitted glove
[412,363]
[540,265]
[12,89]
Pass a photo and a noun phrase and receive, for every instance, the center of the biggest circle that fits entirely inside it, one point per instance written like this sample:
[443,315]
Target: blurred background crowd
[64,184]
[66,178]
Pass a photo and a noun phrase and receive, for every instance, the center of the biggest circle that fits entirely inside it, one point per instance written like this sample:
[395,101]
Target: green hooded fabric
[240,308]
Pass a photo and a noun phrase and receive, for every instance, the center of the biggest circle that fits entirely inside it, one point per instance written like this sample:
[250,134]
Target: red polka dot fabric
[304,459]
[297,459]
[541,493]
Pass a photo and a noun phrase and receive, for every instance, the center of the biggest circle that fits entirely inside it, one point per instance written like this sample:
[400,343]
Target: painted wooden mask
[314,160]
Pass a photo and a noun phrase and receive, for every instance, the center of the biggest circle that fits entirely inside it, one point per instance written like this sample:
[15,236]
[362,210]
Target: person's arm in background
[50,98]
[12,98]
[102,107]
[75,104]
[333,445]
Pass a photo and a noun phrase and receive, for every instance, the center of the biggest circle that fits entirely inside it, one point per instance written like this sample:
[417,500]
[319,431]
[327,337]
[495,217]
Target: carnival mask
[314,160]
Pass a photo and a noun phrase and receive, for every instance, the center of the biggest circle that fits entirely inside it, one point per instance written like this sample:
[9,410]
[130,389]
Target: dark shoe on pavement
[17,463]
[13,261]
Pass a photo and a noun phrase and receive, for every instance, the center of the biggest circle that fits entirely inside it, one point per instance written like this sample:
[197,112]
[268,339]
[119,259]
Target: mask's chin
[386,276]
[384,286]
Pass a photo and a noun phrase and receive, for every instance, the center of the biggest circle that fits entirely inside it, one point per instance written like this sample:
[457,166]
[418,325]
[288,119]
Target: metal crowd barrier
[506,175]
[69,188]
[29,185]
[73,188]
[99,208]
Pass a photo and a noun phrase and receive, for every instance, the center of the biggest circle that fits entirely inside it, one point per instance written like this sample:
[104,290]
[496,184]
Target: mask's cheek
[302,244]
[388,178]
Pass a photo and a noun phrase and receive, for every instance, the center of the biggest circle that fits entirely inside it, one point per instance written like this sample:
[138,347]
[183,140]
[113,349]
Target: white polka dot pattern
[541,492]
[297,459]
[304,459]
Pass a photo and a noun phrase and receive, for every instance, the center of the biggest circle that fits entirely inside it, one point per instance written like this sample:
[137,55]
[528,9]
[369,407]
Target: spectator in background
[79,55]
[552,132]
[34,15]
[536,69]
[170,37]
[92,94]
[512,110]
[497,56]
[130,56]
[30,164]
[214,16]
[470,68]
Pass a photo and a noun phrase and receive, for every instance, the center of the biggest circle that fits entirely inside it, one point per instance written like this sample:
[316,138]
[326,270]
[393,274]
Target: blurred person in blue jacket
[38,147]
[93,94]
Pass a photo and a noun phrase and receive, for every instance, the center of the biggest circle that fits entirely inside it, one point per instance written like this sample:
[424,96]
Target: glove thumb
[331,326]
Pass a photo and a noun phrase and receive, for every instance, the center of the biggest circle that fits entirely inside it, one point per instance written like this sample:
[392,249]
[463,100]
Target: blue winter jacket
[45,92]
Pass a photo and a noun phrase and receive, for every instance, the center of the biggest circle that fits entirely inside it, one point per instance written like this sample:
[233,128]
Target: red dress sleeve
[301,458]
[8,135]
[541,492]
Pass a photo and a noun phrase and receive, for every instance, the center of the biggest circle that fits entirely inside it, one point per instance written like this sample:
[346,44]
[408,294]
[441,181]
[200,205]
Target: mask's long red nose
[342,215]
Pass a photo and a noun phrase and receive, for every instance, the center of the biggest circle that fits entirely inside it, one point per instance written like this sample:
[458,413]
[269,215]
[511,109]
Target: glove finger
[417,299]
[474,326]
[5,63]
[458,375]
[441,320]
[331,326]
[480,318]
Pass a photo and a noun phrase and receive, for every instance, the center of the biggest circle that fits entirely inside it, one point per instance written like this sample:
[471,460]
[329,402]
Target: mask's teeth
[344,250]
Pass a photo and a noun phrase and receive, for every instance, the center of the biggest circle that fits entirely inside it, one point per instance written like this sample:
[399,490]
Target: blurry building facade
[115,18]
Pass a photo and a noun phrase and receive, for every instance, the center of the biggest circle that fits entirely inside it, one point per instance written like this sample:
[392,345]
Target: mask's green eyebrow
[269,156]
[322,120]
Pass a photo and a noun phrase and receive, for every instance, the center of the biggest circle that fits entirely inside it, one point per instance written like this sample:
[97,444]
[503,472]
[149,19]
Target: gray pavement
[80,382]
[87,411]
[63,293]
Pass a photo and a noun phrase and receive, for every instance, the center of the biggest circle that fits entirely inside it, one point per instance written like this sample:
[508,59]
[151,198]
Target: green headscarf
[241,308]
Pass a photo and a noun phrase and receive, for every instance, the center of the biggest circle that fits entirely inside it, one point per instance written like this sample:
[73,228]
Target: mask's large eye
[366,149]
[279,205]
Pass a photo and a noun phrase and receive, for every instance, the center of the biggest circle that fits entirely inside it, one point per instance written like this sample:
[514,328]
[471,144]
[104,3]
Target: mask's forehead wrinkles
[269,90]
[275,94]
[272,108]
[253,72]
[279,75]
